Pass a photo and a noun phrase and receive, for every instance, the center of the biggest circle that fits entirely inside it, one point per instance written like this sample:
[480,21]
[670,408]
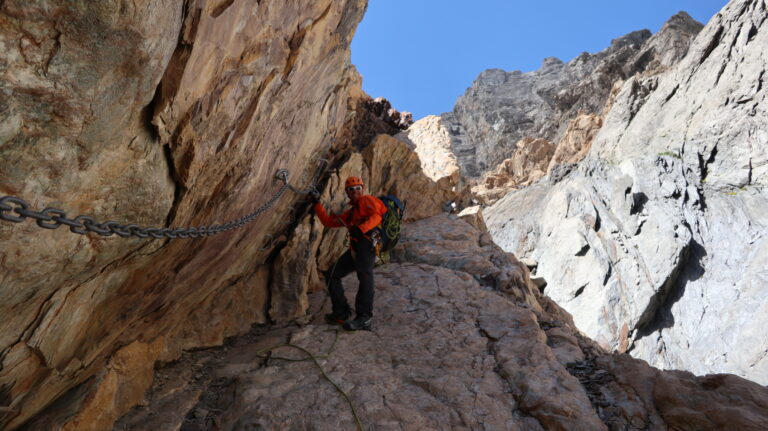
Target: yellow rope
[392,226]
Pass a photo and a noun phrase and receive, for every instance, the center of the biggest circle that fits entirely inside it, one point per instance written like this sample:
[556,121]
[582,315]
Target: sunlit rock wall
[656,243]
[160,113]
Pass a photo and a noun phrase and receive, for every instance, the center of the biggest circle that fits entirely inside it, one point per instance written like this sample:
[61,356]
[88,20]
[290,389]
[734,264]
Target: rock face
[160,113]
[178,113]
[371,117]
[451,348]
[502,108]
[396,169]
[576,141]
[430,138]
[461,145]
[535,158]
[656,242]
[528,164]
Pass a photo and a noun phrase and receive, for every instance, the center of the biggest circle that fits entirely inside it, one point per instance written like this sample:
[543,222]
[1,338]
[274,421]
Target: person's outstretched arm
[329,220]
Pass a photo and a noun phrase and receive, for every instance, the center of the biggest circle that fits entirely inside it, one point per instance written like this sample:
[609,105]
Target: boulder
[576,141]
[395,168]
[474,216]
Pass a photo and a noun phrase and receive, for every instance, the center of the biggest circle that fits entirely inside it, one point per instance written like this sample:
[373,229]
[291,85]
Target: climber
[361,220]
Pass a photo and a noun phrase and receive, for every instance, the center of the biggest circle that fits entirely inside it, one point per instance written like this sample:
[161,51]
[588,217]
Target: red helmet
[353,181]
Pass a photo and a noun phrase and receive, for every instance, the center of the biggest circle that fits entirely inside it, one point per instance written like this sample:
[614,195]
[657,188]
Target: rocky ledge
[460,341]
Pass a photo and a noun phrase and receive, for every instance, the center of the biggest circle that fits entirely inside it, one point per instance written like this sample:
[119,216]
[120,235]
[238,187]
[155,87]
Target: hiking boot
[336,319]
[359,323]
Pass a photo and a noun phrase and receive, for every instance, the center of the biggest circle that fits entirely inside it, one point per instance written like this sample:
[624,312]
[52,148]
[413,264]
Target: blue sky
[423,54]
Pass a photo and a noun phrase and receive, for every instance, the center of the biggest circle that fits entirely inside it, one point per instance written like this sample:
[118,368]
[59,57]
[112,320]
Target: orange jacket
[366,213]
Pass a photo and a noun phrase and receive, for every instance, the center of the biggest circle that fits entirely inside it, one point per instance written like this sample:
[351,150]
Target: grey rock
[714,319]
[656,242]
[592,254]
[560,171]
[513,221]
[500,107]
[461,146]
[667,46]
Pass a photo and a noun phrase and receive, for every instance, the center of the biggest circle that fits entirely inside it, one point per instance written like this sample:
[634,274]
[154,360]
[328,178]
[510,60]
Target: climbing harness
[376,242]
[52,218]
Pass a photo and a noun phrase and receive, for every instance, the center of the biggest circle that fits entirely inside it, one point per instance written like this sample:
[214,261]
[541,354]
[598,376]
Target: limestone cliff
[656,242]
[159,113]
[503,112]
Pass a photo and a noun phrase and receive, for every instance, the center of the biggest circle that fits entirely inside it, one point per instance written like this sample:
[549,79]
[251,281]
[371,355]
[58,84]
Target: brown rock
[444,353]
[576,141]
[162,114]
[527,165]
[291,272]
[128,375]
[533,158]
[624,338]
[445,241]
[222,314]
[642,397]
[369,117]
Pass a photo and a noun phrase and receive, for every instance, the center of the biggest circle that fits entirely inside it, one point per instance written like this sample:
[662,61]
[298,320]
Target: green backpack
[391,221]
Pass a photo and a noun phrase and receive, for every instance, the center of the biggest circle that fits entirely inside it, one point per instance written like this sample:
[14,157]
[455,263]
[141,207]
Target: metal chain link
[312,184]
[52,218]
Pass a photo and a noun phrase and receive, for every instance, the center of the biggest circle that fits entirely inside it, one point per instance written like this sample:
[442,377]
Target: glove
[355,232]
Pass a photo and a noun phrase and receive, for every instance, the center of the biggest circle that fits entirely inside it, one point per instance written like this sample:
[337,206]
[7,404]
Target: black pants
[362,263]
